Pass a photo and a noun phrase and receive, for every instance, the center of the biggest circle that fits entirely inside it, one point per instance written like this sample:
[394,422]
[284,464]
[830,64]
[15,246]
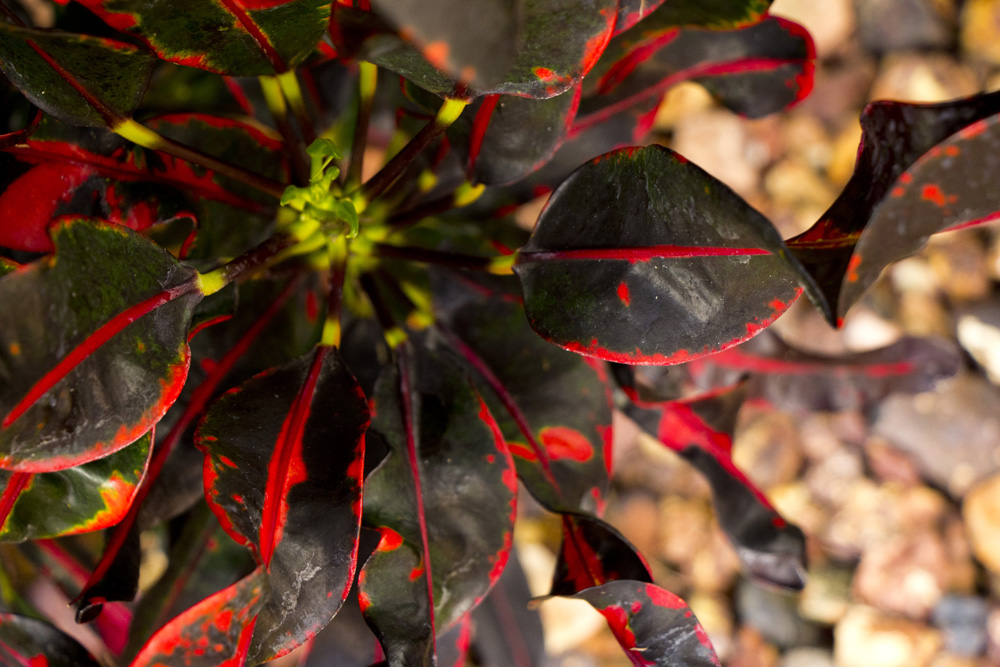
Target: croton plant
[263,288]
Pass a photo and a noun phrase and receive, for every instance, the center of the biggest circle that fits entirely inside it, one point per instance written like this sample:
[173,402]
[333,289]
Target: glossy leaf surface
[89,497]
[536,48]
[895,136]
[642,257]
[28,641]
[283,473]
[214,633]
[559,440]
[701,431]
[655,627]
[234,37]
[506,138]
[753,71]
[949,186]
[593,553]
[443,501]
[88,371]
[78,79]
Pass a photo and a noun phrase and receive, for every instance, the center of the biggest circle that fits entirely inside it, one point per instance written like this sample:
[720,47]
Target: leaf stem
[367,80]
[497,265]
[288,82]
[213,281]
[449,112]
[332,328]
[275,101]
[147,138]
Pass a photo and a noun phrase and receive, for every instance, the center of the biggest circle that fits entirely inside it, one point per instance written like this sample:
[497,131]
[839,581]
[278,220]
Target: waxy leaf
[536,48]
[81,80]
[443,501]
[715,14]
[655,627]
[235,37]
[755,71]
[89,497]
[593,553]
[895,138]
[34,643]
[214,633]
[560,440]
[94,346]
[950,186]
[796,380]
[701,431]
[642,257]
[283,473]
[115,578]
[508,627]
[506,138]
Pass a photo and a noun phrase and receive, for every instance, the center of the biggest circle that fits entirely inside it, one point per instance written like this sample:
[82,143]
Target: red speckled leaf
[551,406]
[214,633]
[797,380]
[235,37]
[538,48]
[89,370]
[755,71]
[593,553]
[701,431]
[33,643]
[81,80]
[950,186]
[900,143]
[284,456]
[642,257]
[654,627]
[443,501]
[100,493]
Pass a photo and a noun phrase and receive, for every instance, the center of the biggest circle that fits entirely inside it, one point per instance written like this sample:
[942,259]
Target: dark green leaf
[443,501]
[78,79]
[214,633]
[284,463]
[593,553]
[27,641]
[94,346]
[642,257]
[655,627]
[235,37]
[895,136]
[551,406]
[89,497]
[529,48]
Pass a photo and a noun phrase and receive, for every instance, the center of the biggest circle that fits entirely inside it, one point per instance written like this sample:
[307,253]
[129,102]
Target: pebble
[953,432]
[906,575]
[980,36]
[865,637]
[774,614]
[963,620]
[897,25]
[981,512]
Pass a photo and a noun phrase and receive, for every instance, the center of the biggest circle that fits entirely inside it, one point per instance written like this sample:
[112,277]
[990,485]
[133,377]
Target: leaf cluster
[264,299]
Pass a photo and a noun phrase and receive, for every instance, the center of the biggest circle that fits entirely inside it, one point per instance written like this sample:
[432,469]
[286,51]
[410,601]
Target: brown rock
[767,450]
[866,638]
[718,142]
[827,595]
[752,650]
[981,512]
[905,575]
[980,30]
[953,433]
[897,25]
[889,464]
[923,77]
